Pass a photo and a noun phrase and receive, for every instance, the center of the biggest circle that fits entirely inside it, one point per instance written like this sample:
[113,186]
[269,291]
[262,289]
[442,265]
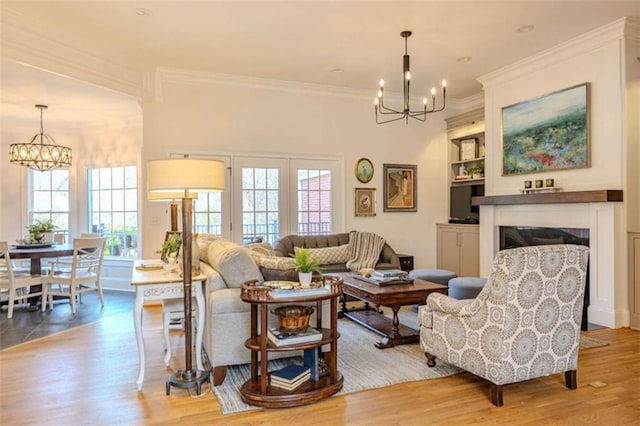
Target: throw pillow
[275,262]
[233,262]
[204,240]
[260,249]
[329,255]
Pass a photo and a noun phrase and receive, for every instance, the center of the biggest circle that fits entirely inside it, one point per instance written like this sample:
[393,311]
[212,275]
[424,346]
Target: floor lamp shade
[185,177]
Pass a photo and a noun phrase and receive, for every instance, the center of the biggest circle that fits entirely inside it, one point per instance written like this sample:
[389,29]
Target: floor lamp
[188,177]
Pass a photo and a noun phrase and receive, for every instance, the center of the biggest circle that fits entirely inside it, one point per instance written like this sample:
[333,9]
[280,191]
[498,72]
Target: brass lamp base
[187,380]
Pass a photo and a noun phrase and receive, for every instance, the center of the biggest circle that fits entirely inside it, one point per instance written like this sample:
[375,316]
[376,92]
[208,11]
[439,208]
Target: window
[207,213]
[314,201]
[113,205]
[49,198]
[260,205]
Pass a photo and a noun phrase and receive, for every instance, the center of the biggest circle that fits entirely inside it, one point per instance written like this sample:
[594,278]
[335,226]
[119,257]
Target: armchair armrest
[448,305]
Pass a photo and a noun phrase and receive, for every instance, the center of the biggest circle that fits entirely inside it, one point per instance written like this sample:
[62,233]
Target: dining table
[37,252]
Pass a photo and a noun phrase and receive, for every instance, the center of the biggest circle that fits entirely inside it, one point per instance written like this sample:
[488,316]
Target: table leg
[394,338]
[137,324]
[200,332]
[35,269]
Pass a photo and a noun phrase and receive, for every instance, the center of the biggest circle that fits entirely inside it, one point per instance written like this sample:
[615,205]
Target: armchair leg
[571,379]
[219,373]
[496,395]
[431,360]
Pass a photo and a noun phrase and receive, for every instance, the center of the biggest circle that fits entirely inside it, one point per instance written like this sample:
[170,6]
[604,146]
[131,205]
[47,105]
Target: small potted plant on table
[306,266]
[39,228]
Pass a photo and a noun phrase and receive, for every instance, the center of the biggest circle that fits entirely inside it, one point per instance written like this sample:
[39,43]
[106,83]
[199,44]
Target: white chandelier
[42,152]
[406,112]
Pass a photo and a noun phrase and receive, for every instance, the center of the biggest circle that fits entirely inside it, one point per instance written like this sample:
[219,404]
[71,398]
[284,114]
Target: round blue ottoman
[466,287]
[438,276]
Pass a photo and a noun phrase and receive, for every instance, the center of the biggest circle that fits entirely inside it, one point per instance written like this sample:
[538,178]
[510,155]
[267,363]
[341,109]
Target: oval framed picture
[363,170]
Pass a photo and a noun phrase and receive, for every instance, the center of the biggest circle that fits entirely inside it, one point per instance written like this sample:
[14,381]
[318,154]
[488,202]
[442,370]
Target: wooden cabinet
[458,248]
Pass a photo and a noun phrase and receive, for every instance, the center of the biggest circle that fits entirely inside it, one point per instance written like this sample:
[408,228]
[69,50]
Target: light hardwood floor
[87,376]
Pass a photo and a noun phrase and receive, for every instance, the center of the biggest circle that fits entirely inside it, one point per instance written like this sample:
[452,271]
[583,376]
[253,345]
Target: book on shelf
[303,292]
[290,374]
[278,338]
[311,360]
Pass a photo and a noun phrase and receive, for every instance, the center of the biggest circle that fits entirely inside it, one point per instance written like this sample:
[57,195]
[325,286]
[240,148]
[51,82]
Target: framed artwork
[550,132]
[468,149]
[365,199]
[363,170]
[400,182]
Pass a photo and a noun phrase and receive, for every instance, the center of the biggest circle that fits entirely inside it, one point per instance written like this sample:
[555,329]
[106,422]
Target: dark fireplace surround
[523,236]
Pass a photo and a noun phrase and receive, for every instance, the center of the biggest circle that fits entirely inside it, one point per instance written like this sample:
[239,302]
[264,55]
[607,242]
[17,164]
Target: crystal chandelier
[406,112]
[42,152]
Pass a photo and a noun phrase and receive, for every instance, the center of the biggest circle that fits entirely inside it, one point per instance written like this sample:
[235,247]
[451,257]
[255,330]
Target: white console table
[157,284]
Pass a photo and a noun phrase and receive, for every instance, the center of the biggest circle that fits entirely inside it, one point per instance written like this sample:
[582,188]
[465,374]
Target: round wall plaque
[363,170]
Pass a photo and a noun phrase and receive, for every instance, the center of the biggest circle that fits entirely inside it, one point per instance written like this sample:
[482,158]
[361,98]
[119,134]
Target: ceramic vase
[305,279]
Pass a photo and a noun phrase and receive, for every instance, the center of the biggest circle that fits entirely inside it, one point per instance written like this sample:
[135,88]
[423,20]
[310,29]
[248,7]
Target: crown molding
[202,78]
[612,32]
[25,45]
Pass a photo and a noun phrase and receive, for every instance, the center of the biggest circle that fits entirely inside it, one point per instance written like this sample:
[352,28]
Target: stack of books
[290,377]
[303,292]
[388,274]
[278,338]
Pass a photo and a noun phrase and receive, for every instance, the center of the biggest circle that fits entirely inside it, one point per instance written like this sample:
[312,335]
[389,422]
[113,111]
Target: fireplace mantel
[598,196]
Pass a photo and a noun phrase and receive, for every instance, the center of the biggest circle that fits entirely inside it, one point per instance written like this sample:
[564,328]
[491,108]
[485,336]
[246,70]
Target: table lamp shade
[185,175]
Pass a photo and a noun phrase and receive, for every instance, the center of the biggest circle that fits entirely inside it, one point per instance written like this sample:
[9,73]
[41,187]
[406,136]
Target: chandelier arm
[389,121]
[388,110]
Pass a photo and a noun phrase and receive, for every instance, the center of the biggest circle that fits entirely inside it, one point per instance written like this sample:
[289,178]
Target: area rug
[360,362]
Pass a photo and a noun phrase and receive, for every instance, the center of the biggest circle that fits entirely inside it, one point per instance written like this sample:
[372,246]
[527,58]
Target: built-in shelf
[598,196]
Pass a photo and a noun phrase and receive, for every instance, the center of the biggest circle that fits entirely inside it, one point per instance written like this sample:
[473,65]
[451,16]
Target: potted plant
[306,266]
[171,246]
[476,172]
[39,228]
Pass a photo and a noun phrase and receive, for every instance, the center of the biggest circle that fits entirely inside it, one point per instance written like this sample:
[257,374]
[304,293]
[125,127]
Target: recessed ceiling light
[525,29]
[337,70]
[464,59]
[144,13]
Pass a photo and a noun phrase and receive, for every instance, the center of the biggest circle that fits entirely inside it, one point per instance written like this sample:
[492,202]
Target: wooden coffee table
[394,296]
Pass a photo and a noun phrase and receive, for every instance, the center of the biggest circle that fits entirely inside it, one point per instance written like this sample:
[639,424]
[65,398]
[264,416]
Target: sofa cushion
[203,241]
[275,262]
[233,262]
[329,255]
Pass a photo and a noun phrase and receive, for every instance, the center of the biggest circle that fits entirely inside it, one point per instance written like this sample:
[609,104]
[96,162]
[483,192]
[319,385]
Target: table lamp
[184,178]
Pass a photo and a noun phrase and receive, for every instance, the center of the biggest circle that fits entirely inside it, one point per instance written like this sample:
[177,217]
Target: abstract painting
[550,132]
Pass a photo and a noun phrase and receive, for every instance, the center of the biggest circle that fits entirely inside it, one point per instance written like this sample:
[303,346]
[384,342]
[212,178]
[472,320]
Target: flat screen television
[460,208]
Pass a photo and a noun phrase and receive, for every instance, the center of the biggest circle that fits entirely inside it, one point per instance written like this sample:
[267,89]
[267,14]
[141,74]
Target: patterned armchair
[524,324]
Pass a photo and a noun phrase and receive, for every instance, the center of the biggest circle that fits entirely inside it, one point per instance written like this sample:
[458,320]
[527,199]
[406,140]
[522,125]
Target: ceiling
[341,44]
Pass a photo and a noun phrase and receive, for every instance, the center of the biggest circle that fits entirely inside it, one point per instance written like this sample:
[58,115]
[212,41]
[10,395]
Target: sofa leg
[219,373]
[496,395]
[431,360]
[571,379]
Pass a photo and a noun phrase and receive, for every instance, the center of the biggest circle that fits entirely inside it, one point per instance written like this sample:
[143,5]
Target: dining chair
[16,283]
[80,274]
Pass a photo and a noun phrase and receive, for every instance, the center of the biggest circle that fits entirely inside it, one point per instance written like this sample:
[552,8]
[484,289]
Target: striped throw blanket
[365,250]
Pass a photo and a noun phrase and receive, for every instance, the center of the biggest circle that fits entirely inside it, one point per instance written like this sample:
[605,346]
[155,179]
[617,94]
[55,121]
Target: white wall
[206,115]
[600,58]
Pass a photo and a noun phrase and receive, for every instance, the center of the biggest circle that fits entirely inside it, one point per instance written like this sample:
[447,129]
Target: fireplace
[523,236]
